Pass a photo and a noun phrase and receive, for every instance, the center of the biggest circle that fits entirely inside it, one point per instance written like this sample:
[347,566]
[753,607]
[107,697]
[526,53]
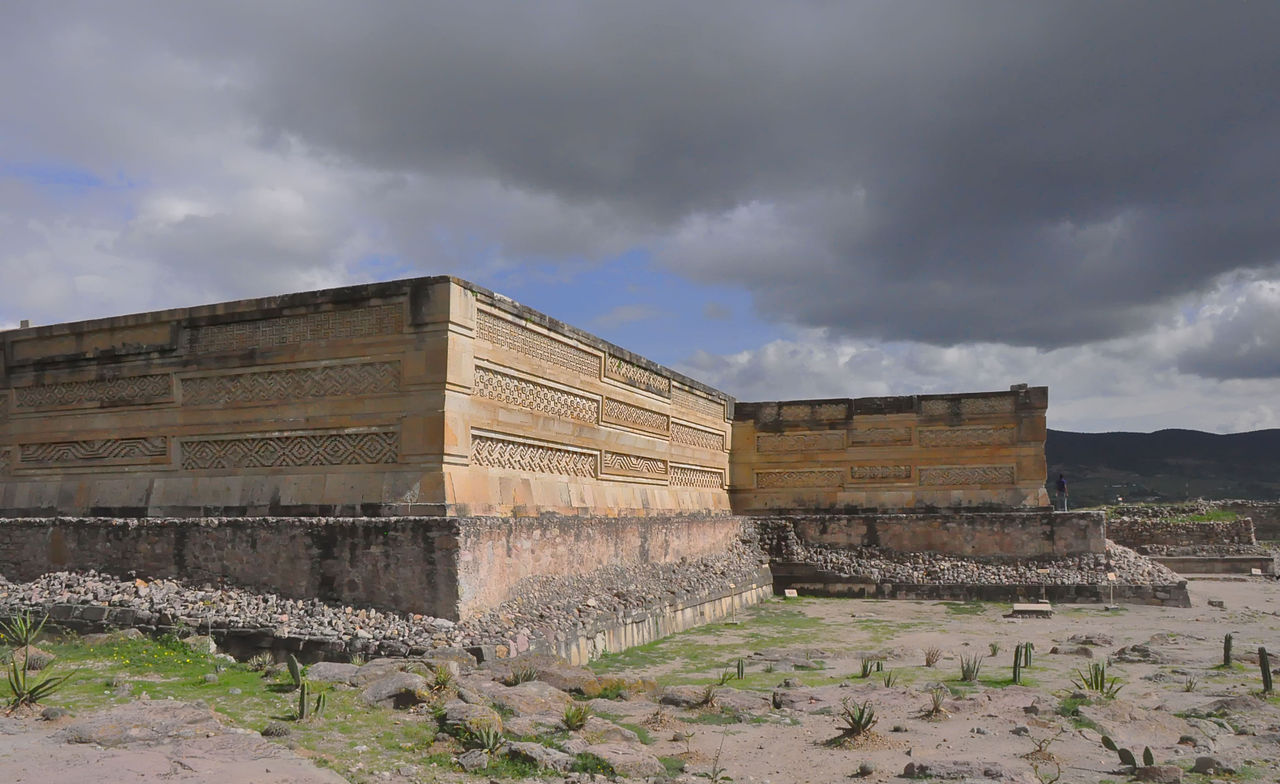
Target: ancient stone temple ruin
[427,445]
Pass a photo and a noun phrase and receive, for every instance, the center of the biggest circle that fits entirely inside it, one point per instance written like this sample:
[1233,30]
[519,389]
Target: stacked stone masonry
[433,399]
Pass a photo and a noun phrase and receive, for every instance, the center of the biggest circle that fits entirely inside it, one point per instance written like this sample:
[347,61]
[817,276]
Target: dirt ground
[991,723]
[801,659]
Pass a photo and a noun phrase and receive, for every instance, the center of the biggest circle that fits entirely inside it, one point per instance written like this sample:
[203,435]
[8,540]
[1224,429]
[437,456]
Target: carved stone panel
[297,384]
[966,436]
[619,413]
[292,450]
[688,476]
[820,478]
[105,392]
[535,345]
[620,464]
[697,437]
[974,406]
[800,442]
[308,328]
[637,376]
[966,476]
[118,451]
[493,452]
[532,396]
[880,473]
[880,436]
[691,401]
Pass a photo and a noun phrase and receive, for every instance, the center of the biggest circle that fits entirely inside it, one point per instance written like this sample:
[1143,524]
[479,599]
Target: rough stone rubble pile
[931,568]
[546,609]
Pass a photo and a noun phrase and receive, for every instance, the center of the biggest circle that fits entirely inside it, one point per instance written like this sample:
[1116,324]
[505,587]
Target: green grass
[965,608]
[1211,516]
[674,766]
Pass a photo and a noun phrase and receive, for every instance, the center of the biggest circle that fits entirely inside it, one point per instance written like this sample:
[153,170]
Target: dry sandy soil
[820,644]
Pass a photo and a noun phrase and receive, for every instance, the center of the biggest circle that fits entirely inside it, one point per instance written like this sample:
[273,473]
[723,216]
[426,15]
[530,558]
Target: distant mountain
[1168,465]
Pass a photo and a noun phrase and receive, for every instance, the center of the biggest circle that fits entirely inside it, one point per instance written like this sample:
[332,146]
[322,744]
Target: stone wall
[891,453]
[1139,533]
[405,564]
[1265,516]
[496,554]
[429,396]
[445,567]
[1032,534]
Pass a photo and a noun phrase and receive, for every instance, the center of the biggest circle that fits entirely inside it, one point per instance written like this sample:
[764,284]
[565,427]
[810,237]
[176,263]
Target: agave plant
[575,716]
[855,718]
[1095,680]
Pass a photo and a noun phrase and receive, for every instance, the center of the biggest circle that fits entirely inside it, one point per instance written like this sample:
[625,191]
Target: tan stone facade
[426,396]
[891,453]
[433,396]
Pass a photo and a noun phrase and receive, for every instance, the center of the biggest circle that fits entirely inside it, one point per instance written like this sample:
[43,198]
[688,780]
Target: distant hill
[1168,465]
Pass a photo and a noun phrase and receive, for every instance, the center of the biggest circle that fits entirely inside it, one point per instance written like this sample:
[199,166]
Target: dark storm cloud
[1028,173]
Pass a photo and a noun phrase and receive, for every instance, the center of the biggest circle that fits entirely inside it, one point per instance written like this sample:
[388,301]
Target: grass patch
[674,765]
[1069,708]
[965,608]
[715,718]
[590,763]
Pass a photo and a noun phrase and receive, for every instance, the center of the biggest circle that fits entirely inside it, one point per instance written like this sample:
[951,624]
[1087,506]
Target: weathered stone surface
[460,716]
[1213,764]
[1159,774]
[333,672]
[683,696]
[628,760]
[598,730]
[953,770]
[527,699]
[542,756]
[143,722]
[396,690]
[476,759]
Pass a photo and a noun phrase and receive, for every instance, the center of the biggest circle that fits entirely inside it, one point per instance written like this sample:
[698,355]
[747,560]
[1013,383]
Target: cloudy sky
[784,200]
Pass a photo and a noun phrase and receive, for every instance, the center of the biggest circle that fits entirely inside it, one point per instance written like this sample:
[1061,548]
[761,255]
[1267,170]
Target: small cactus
[1264,662]
[1017,664]
[304,701]
[322,702]
[742,669]
[1126,756]
[1226,650]
[295,671]
[1026,654]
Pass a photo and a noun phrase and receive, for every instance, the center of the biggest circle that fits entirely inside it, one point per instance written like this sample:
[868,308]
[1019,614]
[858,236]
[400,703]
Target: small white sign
[790,593]
[1111,576]
[1255,572]
[1042,571]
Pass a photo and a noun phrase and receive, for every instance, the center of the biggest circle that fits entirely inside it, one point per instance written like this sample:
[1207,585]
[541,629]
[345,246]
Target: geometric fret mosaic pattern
[696,436]
[537,458]
[308,328]
[618,463]
[533,396]
[880,473]
[636,376]
[501,332]
[800,442]
[328,381]
[966,475]
[328,449]
[114,391]
[89,452]
[620,413]
[970,405]
[965,436]
[697,403]
[823,478]
[686,476]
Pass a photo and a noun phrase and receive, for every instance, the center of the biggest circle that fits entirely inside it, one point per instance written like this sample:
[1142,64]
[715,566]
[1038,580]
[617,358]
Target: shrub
[970,666]
[932,656]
